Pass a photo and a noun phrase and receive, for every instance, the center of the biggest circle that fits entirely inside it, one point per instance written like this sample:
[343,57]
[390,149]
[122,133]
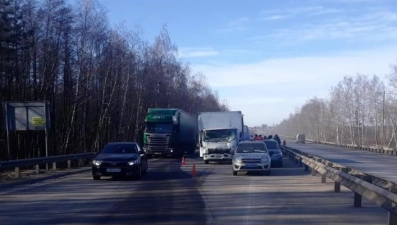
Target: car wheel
[96,177]
[139,175]
[146,168]
[268,173]
[206,161]
[281,165]
[234,173]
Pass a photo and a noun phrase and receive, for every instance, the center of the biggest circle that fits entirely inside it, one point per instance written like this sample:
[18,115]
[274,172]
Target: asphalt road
[380,165]
[169,194]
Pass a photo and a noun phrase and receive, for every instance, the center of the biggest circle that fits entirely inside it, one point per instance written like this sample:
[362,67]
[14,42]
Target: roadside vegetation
[99,79]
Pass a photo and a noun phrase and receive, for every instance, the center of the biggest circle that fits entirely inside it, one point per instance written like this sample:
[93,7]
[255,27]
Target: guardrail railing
[16,164]
[375,189]
[380,149]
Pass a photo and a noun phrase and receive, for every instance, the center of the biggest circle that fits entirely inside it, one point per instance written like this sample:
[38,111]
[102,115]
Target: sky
[268,57]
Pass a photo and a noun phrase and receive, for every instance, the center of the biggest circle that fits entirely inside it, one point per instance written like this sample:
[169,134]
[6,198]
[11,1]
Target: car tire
[146,168]
[139,175]
[96,177]
[234,173]
[268,173]
[281,165]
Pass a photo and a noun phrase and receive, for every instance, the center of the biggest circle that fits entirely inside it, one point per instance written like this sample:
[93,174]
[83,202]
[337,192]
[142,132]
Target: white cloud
[277,14]
[275,17]
[374,25]
[267,91]
[197,52]
[238,24]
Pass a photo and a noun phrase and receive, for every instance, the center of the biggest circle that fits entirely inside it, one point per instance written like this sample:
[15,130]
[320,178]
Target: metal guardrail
[16,164]
[382,149]
[377,190]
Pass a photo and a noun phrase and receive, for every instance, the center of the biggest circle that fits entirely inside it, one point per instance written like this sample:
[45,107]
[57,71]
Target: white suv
[251,156]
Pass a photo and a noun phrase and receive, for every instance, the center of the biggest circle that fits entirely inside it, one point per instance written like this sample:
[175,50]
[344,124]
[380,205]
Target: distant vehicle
[120,159]
[170,131]
[300,138]
[251,156]
[275,152]
[219,134]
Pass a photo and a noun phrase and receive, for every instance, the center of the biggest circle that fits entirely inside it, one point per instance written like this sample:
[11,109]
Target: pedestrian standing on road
[277,138]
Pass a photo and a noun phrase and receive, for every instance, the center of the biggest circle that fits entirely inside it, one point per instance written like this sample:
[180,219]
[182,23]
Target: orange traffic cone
[183,161]
[194,170]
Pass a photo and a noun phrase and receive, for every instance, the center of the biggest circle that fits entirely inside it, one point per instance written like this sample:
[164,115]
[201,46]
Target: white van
[300,138]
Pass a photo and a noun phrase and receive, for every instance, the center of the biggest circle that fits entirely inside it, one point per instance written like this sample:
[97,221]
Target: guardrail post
[37,168]
[17,172]
[69,164]
[358,197]
[323,176]
[392,218]
[337,184]
[314,172]
[54,165]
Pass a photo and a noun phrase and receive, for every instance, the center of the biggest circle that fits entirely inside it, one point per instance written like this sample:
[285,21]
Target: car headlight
[237,160]
[96,162]
[134,162]
[265,160]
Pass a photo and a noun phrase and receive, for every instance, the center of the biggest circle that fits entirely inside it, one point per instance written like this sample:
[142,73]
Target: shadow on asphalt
[167,194]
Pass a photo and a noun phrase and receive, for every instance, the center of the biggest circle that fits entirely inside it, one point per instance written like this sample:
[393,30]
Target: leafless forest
[99,79]
[360,110]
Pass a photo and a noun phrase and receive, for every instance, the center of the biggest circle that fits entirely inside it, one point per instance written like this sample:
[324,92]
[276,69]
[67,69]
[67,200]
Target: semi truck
[169,131]
[219,134]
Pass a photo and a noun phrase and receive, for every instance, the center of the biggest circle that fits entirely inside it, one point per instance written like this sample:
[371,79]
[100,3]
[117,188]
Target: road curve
[169,194]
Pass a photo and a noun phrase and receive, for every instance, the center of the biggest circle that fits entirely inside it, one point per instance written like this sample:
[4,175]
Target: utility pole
[383,119]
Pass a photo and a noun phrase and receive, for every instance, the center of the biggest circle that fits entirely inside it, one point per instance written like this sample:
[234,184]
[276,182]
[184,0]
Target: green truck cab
[169,131]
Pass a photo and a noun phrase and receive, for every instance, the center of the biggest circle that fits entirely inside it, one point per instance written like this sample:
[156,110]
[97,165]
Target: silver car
[251,156]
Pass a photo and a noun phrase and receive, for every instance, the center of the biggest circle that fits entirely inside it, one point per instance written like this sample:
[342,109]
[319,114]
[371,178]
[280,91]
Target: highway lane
[168,194]
[380,165]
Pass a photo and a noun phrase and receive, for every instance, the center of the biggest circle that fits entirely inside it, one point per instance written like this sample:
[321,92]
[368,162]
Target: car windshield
[158,127]
[251,148]
[219,135]
[271,145]
[120,149]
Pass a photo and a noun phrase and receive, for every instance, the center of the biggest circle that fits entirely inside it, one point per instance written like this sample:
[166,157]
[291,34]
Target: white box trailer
[219,134]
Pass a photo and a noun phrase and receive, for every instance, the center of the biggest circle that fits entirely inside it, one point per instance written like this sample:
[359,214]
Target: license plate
[250,165]
[113,170]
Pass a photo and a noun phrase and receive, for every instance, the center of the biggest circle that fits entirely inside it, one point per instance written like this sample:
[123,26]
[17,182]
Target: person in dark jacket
[277,138]
[270,137]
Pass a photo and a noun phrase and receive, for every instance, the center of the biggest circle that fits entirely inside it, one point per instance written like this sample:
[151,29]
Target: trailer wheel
[206,161]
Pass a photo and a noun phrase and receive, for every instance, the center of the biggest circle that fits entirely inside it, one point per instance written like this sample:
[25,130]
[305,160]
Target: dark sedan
[120,159]
[275,152]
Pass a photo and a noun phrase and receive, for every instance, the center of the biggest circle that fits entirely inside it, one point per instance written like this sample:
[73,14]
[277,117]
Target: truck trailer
[219,134]
[169,131]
